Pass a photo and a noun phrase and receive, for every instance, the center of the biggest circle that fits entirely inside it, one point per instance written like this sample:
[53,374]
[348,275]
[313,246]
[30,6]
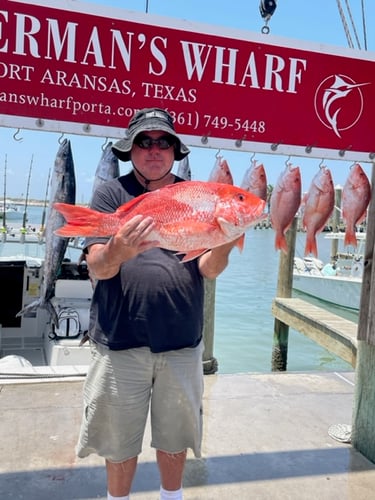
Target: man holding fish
[146,323]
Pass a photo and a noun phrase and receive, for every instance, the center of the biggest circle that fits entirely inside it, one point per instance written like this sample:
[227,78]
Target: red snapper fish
[255,180]
[284,203]
[318,207]
[191,217]
[356,195]
[221,172]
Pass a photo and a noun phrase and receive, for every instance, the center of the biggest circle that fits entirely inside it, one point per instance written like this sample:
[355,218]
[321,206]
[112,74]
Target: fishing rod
[45,204]
[27,196]
[5,195]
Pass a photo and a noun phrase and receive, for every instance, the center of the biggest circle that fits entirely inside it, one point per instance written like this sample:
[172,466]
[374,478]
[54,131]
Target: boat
[11,210]
[32,345]
[337,282]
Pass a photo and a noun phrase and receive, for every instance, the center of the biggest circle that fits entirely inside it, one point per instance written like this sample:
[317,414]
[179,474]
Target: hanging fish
[183,170]
[355,198]
[319,202]
[284,204]
[107,169]
[63,190]
[190,217]
[221,172]
[255,180]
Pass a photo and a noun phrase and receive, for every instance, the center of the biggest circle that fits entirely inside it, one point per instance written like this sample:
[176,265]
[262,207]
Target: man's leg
[171,466]
[120,476]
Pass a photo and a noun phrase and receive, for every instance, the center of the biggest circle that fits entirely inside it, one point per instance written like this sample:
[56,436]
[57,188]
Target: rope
[345,25]
[364,23]
[353,24]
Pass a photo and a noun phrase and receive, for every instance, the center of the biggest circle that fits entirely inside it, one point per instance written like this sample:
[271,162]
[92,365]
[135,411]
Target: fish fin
[193,254]
[240,243]
[228,228]
[362,217]
[129,205]
[280,242]
[29,308]
[311,247]
[80,221]
[350,237]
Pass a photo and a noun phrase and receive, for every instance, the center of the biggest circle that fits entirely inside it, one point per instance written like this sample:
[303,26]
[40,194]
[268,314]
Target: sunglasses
[146,142]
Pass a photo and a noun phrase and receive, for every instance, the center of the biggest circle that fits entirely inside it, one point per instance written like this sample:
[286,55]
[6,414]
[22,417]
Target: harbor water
[244,324]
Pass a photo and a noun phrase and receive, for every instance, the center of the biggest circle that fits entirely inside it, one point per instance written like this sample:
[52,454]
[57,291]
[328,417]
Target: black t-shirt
[154,300]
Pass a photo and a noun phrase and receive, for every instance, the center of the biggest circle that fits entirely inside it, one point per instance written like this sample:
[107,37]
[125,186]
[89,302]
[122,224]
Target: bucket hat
[145,120]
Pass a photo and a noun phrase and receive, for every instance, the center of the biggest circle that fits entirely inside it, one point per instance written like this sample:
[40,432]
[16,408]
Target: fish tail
[310,246]
[280,242]
[29,308]
[350,237]
[80,221]
[240,243]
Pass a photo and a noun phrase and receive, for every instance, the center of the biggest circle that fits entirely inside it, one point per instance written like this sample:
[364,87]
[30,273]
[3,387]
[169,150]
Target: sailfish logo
[339,102]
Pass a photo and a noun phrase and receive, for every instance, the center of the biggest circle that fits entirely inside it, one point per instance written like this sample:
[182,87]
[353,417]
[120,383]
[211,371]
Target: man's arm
[213,262]
[104,260]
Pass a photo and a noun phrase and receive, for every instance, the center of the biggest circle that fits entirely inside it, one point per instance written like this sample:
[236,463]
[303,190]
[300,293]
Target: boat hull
[342,291]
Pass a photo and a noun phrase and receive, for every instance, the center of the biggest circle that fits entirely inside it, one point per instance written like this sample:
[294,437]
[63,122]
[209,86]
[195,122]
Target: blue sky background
[316,21]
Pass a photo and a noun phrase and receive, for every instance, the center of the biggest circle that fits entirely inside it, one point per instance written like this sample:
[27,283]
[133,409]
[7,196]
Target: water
[243,320]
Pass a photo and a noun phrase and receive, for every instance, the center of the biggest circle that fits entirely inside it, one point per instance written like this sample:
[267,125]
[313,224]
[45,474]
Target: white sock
[170,495]
[110,497]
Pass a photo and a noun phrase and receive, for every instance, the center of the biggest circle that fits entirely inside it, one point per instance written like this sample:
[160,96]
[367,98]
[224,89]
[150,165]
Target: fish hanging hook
[287,161]
[18,139]
[321,164]
[105,144]
[218,154]
[252,157]
[60,139]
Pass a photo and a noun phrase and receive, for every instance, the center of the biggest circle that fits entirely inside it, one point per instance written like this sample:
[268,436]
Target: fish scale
[190,217]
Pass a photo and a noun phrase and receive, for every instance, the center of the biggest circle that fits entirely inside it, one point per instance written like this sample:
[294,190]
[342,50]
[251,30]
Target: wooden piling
[210,364]
[284,289]
[363,428]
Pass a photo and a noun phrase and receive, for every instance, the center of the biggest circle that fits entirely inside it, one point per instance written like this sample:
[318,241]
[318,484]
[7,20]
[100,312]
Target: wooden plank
[336,334]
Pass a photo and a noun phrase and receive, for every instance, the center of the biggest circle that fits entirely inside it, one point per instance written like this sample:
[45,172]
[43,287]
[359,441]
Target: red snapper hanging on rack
[318,203]
[284,203]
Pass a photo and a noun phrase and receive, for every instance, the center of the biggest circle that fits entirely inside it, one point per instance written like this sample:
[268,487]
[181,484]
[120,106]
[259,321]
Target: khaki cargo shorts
[122,387]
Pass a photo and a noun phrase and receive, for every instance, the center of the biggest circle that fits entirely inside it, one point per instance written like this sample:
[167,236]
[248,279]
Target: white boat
[31,345]
[338,282]
[12,211]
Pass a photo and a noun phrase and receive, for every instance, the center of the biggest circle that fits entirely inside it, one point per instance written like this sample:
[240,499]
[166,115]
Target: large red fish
[284,203]
[221,172]
[318,207]
[190,216]
[356,195]
[255,180]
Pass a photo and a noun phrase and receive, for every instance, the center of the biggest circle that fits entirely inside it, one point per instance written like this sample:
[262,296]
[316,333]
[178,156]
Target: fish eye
[241,197]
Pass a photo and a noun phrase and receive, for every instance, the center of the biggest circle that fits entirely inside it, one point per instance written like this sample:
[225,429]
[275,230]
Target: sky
[317,21]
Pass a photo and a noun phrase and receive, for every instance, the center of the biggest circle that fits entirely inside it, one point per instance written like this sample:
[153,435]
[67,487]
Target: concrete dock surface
[266,437]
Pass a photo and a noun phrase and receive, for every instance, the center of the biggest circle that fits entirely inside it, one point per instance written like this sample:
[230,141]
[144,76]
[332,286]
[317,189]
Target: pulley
[267,8]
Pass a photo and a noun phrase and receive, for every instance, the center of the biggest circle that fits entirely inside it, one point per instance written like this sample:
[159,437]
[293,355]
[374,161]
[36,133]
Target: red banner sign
[77,68]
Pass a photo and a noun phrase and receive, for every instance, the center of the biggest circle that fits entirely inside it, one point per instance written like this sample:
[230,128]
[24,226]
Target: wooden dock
[334,333]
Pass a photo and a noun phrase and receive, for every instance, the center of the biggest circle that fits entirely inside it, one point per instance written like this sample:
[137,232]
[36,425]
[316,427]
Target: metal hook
[287,163]
[321,163]
[218,154]
[60,139]
[252,157]
[18,139]
[105,144]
